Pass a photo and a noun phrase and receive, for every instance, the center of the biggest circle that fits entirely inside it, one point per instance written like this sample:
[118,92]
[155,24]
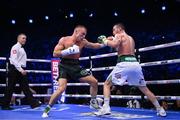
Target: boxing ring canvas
[83,112]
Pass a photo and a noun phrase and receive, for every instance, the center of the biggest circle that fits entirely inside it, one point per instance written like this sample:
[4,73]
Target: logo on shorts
[109,78]
[117,75]
[84,72]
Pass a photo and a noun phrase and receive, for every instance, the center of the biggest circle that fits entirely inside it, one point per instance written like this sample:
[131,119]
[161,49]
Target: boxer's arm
[115,42]
[70,50]
[58,48]
[93,45]
[110,38]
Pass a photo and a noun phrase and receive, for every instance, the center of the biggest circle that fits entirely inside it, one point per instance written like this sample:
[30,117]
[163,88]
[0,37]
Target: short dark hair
[121,25]
[80,26]
[21,34]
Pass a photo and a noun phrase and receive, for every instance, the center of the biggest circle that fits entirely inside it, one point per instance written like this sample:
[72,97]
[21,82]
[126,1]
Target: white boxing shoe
[161,112]
[46,111]
[100,102]
[105,110]
[45,115]
[96,103]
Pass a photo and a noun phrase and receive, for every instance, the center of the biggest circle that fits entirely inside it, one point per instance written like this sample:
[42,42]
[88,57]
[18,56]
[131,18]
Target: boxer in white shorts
[126,69]
[130,72]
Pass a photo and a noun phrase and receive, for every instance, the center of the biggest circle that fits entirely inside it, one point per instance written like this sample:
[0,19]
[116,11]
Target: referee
[17,74]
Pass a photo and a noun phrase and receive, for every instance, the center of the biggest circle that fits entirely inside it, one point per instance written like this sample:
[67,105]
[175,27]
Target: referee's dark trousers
[14,76]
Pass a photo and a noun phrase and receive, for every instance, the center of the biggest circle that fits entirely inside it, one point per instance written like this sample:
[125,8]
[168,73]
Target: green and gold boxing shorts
[71,69]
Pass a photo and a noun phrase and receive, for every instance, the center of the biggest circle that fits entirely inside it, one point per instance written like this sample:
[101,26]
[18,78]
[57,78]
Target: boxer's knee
[89,79]
[107,83]
[60,89]
[94,82]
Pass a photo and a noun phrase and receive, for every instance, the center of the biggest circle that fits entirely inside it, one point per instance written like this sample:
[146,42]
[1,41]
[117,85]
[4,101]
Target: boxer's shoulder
[64,39]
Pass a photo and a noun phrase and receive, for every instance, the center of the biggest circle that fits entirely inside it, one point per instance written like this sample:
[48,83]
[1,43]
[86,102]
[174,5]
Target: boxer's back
[126,46]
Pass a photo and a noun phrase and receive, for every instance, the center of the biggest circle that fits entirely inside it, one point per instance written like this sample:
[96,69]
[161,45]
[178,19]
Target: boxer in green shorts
[71,69]
[69,49]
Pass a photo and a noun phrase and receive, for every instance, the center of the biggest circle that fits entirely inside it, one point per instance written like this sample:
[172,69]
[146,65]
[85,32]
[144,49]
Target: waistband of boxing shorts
[70,61]
[126,58]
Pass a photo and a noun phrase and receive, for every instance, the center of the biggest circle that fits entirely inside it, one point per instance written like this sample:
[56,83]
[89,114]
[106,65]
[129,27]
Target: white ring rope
[176,81]
[32,85]
[2,70]
[38,71]
[112,54]
[38,60]
[101,96]
[84,58]
[140,49]
[163,62]
[104,55]
[126,97]
[159,46]
[2,58]
[173,81]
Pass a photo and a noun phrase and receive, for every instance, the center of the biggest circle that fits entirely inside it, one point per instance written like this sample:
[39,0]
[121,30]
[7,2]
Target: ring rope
[2,58]
[38,60]
[112,96]
[163,62]
[112,54]
[38,71]
[104,55]
[2,70]
[159,46]
[140,49]
[84,58]
[31,85]
[173,81]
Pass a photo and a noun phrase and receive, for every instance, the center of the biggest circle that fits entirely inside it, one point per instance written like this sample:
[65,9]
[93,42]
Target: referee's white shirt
[18,56]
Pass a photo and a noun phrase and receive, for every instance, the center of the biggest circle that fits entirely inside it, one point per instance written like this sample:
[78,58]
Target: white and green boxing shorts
[127,70]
